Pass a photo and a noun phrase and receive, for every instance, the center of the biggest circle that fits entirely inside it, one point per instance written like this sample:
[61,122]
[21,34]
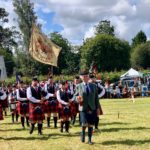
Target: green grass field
[124,126]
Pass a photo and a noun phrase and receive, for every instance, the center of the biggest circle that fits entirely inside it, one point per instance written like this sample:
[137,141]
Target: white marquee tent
[132,73]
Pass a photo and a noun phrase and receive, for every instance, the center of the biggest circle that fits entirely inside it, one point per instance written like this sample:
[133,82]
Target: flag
[42,48]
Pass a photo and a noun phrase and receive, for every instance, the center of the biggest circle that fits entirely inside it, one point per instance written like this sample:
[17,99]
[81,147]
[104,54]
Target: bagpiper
[101,93]
[75,105]
[23,103]
[12,98]
[51,104]
[63,96]
[36,99]
[2,97]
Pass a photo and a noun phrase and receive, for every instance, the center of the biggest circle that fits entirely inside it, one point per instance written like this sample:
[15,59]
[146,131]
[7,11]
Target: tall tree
[104,27]
[140,56]
[140,38]
[108,53]
[26,17]
[7,41]
[7,35]
[68,60]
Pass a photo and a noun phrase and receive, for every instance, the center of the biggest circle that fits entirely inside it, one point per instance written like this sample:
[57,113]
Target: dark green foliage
[140,57]
[26,17]
[108,52]
[7,41]
[68,60]
[140,38]
[104,27]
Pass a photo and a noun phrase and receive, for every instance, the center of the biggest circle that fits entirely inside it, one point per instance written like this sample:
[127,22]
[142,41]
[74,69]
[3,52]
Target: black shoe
[31,129]
[82,139]
[61,130]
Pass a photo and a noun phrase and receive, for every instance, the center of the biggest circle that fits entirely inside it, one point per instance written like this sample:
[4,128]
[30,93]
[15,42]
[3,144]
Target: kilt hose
[51,106]
[64,111]
[36,112]
[1,113]
[23,108]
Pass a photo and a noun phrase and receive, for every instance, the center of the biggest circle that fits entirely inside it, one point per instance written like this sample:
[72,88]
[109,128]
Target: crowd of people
[127,88]
[36,102]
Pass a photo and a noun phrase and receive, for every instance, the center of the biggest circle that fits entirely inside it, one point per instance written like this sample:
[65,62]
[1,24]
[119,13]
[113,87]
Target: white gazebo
[132,73]
[3,74]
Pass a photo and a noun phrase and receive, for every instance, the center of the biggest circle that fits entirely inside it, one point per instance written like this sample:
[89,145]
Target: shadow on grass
[43,137]
[126,142]
[10,123]
[114,123]
[122,129]
[20,129]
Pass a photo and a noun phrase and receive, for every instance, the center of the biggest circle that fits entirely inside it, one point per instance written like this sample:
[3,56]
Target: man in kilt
[2,97]
[75,105]
[36,99]
[101,92]
[88,99]
[64,106]
[4,103]
[12,98]
[23,103]
[51,104]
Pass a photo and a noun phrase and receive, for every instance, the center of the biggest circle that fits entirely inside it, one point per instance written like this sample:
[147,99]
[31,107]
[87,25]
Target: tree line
[108,52]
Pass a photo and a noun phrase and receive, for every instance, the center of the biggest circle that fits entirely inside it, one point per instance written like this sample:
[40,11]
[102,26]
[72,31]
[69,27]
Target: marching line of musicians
[64,100]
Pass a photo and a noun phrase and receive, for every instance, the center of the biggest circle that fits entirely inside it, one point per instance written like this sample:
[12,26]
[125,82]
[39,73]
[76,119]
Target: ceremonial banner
[42,48]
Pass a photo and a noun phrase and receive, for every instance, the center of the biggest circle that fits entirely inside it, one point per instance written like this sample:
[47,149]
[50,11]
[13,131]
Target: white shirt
[33,99]
[45,89]
[18,96]
[3,97]
[59,98]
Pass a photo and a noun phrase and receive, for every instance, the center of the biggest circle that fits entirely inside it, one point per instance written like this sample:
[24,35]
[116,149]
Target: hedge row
[113,77]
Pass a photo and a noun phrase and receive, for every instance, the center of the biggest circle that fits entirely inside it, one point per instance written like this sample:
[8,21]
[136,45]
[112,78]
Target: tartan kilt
[50,108]
[33,115]
[4,103]
[23,108]
[74,108]
[1,113]
[62,112]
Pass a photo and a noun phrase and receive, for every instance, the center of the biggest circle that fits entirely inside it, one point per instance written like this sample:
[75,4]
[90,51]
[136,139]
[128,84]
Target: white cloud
[12,16]
[78,17]
[89,33]
[41,21]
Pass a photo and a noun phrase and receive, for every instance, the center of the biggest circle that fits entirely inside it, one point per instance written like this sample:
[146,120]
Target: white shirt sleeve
[49,95]
[45,87]
[103,90]
[3,97]
[18,96]
[30,97]
[59,99]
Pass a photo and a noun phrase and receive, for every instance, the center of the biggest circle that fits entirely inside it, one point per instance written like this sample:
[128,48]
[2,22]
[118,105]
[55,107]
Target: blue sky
[46,19]
[75,19]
